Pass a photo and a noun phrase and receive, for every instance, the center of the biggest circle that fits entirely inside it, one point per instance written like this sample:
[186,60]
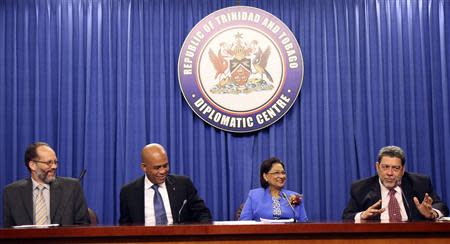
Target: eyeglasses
[48,163]
[278,173]
[395,168]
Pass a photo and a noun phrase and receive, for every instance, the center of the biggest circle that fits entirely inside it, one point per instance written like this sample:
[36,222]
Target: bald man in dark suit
[181,203]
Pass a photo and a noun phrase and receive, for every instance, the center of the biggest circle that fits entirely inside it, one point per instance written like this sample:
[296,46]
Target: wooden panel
[423,232]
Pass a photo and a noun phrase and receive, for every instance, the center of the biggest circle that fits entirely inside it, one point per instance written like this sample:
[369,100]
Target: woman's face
[276,177]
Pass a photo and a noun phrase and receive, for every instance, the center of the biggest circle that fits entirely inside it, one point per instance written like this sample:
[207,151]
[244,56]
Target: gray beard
[42,175]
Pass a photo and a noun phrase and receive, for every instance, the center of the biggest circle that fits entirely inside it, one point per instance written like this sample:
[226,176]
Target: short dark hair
[266,166]
[31,152]
[393,152]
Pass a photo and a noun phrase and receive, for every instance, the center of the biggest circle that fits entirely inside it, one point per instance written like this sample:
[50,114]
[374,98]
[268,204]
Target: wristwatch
[435,214]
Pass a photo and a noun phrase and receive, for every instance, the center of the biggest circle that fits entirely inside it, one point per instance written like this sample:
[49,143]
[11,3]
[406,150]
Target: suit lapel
[27,198]
[409,194]
[374,194]
[55,197]
[171,188]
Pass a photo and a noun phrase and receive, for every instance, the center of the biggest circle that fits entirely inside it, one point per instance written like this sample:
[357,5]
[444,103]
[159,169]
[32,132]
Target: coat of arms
[240,67]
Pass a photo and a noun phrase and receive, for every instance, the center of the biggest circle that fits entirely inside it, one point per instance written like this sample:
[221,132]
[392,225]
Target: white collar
[148,184]
[35,184]
[385,190]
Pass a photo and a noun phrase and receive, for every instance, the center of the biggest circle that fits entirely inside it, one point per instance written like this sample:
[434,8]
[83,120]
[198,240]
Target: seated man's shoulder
[416,177]
[365,182]
[17,184]
[134,183]
[67,183]
[67,180]
[182,178]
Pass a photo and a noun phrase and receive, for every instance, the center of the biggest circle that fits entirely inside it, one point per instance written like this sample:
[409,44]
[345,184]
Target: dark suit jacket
[67,203]
[366,192]
[179,188]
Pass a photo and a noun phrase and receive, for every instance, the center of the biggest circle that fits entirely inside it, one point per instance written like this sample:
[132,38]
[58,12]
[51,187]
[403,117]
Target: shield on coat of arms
[240,70]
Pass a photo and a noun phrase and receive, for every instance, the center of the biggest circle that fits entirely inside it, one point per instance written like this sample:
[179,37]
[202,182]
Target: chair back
[92,217]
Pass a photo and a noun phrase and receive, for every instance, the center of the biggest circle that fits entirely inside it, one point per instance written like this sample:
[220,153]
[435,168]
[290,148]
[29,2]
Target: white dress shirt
[149,209]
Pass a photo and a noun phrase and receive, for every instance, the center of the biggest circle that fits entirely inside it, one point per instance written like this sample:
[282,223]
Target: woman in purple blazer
[272,201]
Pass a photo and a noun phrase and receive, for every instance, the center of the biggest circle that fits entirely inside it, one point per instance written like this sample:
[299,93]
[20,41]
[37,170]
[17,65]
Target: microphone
[399,184]
[181,209]
[83,172]
[290,205]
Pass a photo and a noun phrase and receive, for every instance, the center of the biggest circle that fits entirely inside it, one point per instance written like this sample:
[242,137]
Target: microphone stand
[181,209]
[399,184]
[290,205]
[80,178]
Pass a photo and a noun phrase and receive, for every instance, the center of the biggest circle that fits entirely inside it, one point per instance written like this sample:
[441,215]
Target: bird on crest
[260,62]
[219,62]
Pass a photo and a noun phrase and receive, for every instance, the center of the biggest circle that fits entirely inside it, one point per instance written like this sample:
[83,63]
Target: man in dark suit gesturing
[393,194]
[43,198]
[158,198]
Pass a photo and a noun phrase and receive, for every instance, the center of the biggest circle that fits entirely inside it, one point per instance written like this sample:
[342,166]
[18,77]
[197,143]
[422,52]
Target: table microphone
[181,209]
[83,172]
[290,205]
[399,184]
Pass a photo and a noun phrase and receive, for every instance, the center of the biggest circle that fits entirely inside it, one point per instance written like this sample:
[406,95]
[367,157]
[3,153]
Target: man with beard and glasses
[393,195]
[44,198]
[159,198]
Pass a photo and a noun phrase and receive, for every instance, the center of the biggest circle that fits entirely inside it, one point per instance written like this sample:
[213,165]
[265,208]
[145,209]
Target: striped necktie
[41,215]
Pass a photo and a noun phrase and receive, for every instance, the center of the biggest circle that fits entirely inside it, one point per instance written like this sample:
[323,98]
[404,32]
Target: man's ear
[377,167]
[143,167]
[32,165]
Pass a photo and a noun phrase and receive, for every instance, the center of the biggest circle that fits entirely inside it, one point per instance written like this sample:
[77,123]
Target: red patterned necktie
[393,207]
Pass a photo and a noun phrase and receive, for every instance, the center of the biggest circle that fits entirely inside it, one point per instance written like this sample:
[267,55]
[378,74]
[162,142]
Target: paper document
[34,226]
[241,222]
[277,220]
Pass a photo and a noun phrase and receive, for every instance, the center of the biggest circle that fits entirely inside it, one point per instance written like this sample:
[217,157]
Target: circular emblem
[240,69]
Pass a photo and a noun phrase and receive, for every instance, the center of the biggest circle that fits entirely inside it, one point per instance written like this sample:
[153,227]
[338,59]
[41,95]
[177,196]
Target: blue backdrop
[98,80]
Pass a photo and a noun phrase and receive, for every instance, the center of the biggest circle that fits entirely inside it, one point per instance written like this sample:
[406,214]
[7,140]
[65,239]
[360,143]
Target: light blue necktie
[158,205]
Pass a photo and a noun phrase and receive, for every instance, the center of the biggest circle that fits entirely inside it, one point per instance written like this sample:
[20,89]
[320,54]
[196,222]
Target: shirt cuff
[358,216]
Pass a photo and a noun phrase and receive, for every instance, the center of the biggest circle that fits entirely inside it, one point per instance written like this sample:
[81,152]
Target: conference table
[235,232]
